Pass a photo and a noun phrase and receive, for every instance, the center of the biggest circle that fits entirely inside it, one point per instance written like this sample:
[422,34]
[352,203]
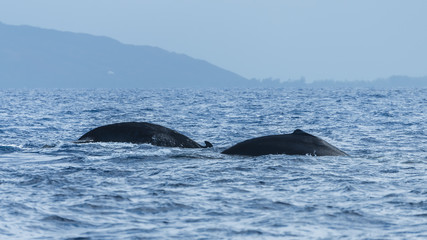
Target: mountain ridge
[33,57]
[37,57]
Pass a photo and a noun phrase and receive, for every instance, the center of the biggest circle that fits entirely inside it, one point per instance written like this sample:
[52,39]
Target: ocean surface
[52,188]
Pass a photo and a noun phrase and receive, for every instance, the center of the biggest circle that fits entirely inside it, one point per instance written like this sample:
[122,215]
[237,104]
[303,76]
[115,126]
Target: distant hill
[35,57]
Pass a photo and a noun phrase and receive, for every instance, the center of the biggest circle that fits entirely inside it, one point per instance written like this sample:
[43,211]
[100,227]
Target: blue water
[51,188]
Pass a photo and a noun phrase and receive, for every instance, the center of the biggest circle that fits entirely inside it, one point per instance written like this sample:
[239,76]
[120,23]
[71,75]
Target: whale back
[139,132]
[296,143]
[316,146]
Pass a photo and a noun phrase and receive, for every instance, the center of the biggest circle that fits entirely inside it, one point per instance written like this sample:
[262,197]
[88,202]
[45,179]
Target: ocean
[53,188]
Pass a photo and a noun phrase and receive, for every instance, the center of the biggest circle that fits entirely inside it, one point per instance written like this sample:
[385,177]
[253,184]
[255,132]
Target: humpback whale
[297,143]
[140,132]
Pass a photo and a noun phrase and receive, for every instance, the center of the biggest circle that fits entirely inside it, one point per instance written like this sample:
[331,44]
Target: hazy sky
[324,39]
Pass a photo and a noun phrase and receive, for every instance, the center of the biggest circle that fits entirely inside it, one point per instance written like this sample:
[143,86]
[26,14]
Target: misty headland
[32,57]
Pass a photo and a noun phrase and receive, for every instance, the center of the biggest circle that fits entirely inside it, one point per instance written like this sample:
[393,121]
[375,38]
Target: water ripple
[53,188]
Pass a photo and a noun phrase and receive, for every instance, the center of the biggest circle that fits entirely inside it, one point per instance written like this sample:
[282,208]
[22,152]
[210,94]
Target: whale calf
[297,143]
[140,132]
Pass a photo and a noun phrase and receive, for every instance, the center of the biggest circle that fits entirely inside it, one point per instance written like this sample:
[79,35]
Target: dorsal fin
[300,132]
[208,145]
